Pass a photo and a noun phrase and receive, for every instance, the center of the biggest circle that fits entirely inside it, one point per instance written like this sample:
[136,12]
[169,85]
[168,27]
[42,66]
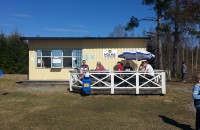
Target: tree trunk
[183,57]
[178,58]
[187,55]
[176,40]
[197,53]
[192,62]
[160,56]
[167,51]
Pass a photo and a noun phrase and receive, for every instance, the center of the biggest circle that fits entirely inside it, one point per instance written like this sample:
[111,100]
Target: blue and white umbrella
[136,55]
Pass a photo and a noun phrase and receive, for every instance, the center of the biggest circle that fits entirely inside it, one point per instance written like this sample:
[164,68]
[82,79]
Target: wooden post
[70,82]
[137,83]
[112,83]
[163,82]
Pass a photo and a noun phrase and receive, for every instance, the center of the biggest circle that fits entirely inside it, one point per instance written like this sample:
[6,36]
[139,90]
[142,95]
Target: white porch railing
[120,80]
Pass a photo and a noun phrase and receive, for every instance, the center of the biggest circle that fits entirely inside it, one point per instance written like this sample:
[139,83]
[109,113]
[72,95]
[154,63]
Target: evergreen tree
[13,54]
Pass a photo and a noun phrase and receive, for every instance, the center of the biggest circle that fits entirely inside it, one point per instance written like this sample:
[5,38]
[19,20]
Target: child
[196,97]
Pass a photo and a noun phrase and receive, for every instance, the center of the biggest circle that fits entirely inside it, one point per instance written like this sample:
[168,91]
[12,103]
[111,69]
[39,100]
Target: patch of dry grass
[42,110]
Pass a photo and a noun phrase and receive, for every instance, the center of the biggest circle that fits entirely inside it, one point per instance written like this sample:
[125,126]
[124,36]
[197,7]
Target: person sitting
[100,68]
[149,72]
[127,67]
[120,66]
[141,67]
[83,68]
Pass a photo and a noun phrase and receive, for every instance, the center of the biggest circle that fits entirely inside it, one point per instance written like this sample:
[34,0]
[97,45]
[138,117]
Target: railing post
[163,83]
[70,83]
[112,83]
[137,83]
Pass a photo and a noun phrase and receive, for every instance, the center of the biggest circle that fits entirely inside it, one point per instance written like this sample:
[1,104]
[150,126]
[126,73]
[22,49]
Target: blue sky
[71,18]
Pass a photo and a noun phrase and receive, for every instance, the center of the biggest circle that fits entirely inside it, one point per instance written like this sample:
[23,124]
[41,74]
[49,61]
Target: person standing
[196,97]
[183,71]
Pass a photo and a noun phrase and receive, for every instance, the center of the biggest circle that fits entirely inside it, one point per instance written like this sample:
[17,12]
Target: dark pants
[197,118]
[183,76]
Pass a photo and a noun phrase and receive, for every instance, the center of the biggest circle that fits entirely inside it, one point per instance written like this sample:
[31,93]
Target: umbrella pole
[136,63]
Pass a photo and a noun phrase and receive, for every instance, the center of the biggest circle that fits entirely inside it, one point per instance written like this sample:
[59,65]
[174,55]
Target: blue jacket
[196,95]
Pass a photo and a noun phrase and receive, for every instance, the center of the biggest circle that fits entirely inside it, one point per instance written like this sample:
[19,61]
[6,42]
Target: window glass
[67,52]
[67,62]
[39,62]
[77,53]
[57,62]
[46,53]
[76,62]
[79,61]
[39,53]
[59,58]
[56,52]
[46,62]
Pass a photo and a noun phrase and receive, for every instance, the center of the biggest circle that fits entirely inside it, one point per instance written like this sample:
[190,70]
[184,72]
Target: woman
[120,66]
[196,97]
[99,67]
[141,67]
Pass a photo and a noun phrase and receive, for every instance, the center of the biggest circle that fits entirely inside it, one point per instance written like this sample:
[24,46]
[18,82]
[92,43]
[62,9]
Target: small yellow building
[51,58]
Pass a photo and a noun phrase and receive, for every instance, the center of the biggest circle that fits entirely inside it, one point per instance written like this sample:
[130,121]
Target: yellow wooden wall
[108,63]
[89,47]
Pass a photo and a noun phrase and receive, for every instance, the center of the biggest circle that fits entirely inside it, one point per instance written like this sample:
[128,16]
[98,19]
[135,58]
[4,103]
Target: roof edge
[72,38]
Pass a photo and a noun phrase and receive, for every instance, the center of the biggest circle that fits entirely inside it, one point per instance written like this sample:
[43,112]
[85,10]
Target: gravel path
[42,88]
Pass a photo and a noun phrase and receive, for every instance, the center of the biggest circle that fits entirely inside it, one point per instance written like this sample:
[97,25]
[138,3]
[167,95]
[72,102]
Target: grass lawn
[49,107]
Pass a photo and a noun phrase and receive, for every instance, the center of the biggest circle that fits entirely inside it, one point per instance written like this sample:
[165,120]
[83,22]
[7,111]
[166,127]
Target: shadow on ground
[5,93]
[175,123]
[19,82]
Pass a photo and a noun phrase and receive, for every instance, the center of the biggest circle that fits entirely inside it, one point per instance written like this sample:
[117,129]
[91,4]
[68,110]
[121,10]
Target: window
[59,58]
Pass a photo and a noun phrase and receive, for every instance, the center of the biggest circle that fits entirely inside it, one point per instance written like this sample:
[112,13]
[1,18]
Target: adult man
[84,66]
[196,97]
[149,72]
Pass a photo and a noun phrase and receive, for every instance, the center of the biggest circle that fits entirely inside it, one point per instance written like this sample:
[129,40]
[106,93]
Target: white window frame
[62,56]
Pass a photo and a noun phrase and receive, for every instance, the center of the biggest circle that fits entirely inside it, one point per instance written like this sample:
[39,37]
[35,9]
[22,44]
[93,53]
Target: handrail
[120,80]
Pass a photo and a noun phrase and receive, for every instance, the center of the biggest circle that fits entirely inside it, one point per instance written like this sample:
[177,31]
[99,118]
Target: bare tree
[118,32]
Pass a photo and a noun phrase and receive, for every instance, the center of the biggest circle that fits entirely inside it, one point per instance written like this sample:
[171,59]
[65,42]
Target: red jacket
[120,68]
[100,68]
